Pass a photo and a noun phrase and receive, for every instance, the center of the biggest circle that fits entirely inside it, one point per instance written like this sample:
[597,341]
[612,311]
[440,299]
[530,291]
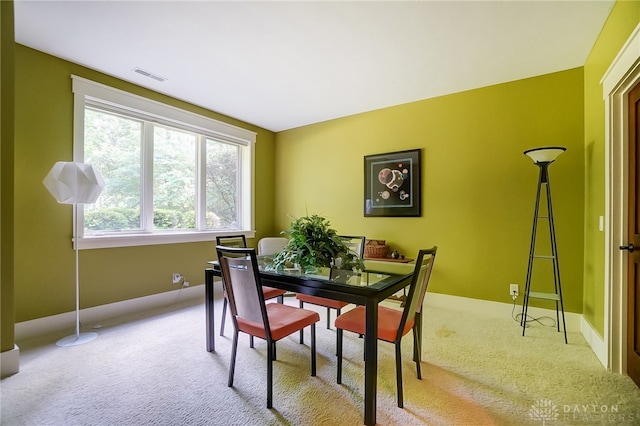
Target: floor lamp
[75,183]
[543,157]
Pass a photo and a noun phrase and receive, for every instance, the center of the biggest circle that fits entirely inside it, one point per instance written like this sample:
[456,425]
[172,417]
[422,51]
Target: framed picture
[392,184]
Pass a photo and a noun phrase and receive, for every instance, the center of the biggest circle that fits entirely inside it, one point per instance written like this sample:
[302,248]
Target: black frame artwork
[392,184]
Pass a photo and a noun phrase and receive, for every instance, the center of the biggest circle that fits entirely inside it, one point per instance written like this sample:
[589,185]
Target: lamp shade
[74,183]
[545,154]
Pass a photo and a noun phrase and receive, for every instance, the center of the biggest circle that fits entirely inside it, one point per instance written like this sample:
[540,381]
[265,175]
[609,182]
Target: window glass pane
[222,185]
[112,144]
[174,178]
[168,176]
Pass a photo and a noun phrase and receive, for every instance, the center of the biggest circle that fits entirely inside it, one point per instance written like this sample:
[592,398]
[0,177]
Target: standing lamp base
[78,339]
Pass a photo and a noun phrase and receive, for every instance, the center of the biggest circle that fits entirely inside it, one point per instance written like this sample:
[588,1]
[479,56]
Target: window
[170,175]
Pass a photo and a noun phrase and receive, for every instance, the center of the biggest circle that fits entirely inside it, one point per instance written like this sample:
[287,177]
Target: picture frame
[392,184]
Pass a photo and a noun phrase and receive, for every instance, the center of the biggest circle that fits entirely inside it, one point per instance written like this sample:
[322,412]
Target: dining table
[365,288]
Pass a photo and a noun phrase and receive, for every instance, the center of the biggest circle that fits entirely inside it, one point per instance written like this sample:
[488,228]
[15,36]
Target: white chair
[271,245]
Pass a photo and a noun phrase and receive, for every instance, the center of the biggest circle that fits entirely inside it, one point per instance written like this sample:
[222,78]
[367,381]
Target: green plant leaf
[312,244]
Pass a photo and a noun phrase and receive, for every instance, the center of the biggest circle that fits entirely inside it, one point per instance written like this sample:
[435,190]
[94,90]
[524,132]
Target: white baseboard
[10,362]
[596,342]
[42,326]
[496,309]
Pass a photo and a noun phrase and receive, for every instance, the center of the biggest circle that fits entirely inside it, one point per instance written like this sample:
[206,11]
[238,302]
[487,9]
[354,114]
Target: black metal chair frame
[413,306]
[222,241]
[235,261]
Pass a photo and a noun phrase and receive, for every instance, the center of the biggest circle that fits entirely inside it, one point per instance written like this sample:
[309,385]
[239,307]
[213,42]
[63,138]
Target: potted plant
[314,244]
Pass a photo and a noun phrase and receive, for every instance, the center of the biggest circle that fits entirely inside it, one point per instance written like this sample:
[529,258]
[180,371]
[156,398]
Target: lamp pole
[543,157]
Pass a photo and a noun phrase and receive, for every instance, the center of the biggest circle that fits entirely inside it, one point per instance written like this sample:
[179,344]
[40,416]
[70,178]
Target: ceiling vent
[150,75]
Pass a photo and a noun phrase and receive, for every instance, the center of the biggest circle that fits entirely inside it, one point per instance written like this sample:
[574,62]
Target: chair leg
[328,318]
[417,330]
[415,345]
[234,349]
[313,349]
[339,354]
[338,311]
[251,345]
[399,373]
[364,351]
[301,330]
[270,357]
[224,315]
[417,354]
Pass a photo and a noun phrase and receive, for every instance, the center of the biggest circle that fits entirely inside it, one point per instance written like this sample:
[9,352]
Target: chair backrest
[238,241]
[241,280]
[271,245]
[419,283]
[355,244]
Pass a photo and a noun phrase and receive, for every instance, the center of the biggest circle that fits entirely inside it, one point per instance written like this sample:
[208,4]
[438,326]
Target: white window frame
[89,93]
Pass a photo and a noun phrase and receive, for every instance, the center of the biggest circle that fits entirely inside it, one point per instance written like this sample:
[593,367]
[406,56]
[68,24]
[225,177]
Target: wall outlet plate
[177,278]
[514,290]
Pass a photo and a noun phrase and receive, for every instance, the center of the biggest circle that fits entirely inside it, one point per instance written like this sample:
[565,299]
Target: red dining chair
[268,321]
[356,245]
[240,241]
[393,324]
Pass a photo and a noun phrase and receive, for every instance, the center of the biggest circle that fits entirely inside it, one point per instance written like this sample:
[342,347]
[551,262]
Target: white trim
[132,240]
[622,75]
[594,340]
[496,309]
[10,362]
[57,323]
[109,95]
[91,317]
[625,61]
[87,92]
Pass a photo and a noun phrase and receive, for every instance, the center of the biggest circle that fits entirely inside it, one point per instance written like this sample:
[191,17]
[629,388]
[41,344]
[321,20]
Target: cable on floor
[518,318]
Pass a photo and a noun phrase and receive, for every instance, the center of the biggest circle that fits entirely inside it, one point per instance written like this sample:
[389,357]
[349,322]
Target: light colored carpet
[153,369]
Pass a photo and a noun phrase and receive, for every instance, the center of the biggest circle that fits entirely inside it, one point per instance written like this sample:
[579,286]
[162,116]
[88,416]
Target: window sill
[129,240]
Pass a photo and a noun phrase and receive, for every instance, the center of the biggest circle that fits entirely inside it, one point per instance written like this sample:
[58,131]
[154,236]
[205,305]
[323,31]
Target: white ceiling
[281,65]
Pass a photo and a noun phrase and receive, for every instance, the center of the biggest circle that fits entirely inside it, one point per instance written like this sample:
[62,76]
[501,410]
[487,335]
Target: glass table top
[355,278]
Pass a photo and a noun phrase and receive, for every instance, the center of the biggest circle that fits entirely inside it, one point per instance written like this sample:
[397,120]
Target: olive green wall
[6,177]
[623,19]
[44,256]
[478,187]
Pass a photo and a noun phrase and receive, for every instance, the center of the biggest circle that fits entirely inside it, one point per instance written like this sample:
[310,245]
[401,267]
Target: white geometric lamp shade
[545,154]
[74,183]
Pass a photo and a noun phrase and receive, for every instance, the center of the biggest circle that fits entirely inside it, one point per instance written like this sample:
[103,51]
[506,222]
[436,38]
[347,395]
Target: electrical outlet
[177,278]
[514,291]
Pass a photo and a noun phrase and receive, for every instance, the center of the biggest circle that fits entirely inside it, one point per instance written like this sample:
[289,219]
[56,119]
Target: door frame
[617,82]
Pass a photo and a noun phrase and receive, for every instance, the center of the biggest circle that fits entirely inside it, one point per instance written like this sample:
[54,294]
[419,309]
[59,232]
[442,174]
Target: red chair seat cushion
[321,301]
[388,322]
[283,321]
[270,292]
